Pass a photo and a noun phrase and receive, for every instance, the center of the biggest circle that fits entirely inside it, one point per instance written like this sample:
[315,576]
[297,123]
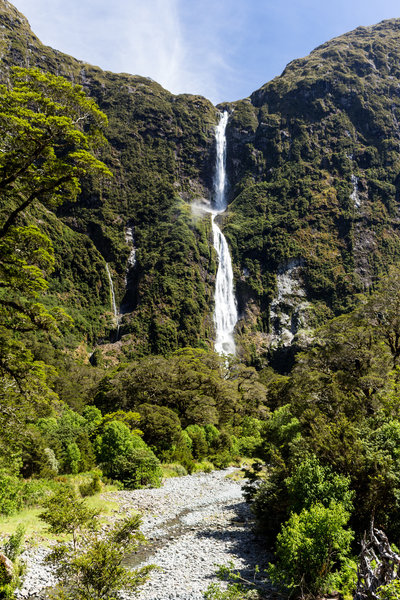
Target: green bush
[311,546]
[173,470]
[249,445]
[161,427]
[91,487]
[65,513]
[36,491]
[115,441]
[205,466]
[137,469]
[212,434]
[11,488]
[313,483]
[391,591]
[199,441]
[94,567]
[71,458]
[221,460]
[10,579]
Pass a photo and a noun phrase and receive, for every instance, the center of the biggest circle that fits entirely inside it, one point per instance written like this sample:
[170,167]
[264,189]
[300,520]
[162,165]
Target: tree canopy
[49,132]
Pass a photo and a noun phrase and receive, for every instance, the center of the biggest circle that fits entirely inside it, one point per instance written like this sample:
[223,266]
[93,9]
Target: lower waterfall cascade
[113,302]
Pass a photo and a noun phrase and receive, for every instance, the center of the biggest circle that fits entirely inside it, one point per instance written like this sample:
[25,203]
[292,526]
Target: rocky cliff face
[160,151]
[313,161]
[314,169]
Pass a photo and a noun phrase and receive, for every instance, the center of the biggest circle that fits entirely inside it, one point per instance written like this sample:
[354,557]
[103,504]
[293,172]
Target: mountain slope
[160,148]
[314,167]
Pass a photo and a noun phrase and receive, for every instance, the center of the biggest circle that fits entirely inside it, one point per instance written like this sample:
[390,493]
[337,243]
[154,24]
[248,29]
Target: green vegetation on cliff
[159,153]
[313,221]
[313,164]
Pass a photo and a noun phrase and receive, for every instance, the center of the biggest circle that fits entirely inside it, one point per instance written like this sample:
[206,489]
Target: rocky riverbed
[193,523]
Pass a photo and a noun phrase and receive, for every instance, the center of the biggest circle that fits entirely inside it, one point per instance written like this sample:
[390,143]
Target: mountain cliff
[159,151]
[313,216]
[314,170]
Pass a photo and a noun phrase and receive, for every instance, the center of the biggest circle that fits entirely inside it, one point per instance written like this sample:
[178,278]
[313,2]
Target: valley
[186,288]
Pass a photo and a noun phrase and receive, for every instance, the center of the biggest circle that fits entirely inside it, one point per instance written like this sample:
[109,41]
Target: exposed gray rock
[193,524]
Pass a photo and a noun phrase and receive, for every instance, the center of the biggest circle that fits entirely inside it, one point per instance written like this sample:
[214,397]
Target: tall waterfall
[112,297]
[225,311]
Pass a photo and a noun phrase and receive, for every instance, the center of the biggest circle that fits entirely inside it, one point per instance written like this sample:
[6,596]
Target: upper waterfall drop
[225,311]
[219,199]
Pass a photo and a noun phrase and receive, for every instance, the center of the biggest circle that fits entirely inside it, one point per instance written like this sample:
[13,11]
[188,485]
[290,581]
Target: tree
[381,312]
[93,569]
[125,457]
[49,131]
[64,513]
[161,427]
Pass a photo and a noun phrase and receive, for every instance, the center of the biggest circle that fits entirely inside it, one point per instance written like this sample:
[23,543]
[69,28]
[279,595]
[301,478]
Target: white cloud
[175,42]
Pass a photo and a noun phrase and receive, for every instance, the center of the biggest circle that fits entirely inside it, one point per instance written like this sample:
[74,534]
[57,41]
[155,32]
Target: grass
[239,474]
[36,531]
[173,470]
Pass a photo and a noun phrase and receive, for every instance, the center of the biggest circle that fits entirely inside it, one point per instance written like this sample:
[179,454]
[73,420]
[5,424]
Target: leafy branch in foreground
[237,588]
[11,569]
[49,134]
[49,130]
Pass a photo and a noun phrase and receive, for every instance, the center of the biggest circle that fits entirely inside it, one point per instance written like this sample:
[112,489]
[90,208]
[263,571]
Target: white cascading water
[225,311]
[113,303]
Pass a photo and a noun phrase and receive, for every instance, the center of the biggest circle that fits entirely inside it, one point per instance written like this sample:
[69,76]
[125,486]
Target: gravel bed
[193,523]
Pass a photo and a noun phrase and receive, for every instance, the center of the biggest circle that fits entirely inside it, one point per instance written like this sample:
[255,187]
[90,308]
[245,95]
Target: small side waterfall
[225,311]
[112,298]
[130,240]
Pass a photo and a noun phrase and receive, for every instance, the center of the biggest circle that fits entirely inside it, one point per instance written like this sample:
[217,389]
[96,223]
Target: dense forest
[107,371]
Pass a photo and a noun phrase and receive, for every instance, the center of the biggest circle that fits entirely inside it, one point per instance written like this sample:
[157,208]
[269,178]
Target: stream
[192,524]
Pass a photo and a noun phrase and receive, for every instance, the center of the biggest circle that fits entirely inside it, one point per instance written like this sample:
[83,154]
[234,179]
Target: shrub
[249,445]
[199,441]
[116,440]
[71,458]
[11,488]
[161,427]
[64,513]
[205,466]
[137,469]
[174,470]
[93,569]
[92,487]
[391,591]
[221,460]
[212,434]
[251,426]
[10,568]
[37,491]
[312,482]
[51,465]
[311,546]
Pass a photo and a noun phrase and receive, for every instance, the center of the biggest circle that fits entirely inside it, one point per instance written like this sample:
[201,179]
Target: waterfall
[220,164]
[225,311]
[112,298]
[130,239]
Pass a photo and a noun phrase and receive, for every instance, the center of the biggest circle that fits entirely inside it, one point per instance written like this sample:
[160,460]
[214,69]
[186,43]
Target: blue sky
[222,49]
